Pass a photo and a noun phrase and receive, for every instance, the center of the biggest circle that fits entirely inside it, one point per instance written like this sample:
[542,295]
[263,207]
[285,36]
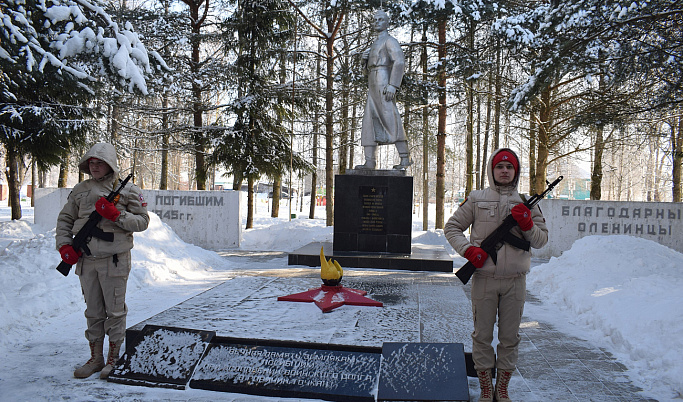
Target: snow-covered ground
[618,292]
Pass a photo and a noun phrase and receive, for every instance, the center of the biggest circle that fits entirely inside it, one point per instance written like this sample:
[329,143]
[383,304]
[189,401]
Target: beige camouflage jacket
[482,212]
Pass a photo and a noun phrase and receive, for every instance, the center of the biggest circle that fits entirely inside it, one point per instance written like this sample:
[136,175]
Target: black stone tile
[526,396]
[571,369]
[623,389]
[607,370]
[539,374]
[526,346]
[288,371]
[423,372]
[587,353]
[550,390]
[583,389]
[543,372]
[559,353]
[162,356]
[600,398]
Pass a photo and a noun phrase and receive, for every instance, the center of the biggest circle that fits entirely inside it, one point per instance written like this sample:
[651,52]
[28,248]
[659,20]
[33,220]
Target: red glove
[107,209]
[69,255]
[523,217]
[476,256]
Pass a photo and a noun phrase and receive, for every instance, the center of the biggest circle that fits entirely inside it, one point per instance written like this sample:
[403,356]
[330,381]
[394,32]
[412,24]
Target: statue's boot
[369,164]
[404,163]
[369,158]
[403,152]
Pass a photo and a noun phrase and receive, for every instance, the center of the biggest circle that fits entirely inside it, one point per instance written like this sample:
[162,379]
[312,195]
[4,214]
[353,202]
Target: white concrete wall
[570,220]
[47,204]
[208,219]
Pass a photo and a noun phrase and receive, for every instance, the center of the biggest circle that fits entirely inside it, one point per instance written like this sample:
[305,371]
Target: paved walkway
[419,307]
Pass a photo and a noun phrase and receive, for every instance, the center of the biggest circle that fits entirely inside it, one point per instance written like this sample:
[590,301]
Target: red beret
[506,156]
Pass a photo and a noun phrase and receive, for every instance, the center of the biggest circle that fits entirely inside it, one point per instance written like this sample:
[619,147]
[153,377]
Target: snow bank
[625,294]
[33,291]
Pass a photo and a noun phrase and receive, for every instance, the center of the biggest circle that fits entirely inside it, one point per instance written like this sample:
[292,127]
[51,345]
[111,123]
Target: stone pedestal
[373,212]
[373,226]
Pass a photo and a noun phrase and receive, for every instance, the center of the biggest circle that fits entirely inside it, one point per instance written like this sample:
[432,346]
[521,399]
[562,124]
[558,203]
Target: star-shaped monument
[327,298]
[331,294]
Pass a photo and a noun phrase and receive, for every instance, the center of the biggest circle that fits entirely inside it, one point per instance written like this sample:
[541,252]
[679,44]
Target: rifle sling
[102,235]
[516,242]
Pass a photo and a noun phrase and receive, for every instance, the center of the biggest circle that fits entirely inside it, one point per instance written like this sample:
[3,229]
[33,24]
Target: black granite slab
[373,213]
[171,357]
[423,372]
[293,370]
[421,258]
[161,356]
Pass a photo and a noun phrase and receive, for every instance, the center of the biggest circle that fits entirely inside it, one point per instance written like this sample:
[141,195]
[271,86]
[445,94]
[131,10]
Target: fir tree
[53,58]
[257,143]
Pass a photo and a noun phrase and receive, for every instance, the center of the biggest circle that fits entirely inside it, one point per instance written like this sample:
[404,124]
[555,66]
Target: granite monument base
[373,213]
[421,258]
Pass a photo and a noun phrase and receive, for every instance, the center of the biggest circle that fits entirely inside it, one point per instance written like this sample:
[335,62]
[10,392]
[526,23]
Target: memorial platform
[425,314]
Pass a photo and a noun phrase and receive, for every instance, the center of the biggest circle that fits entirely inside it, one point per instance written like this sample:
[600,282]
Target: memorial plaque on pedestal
[288,372]
[162,356]
[423,372]
[373,213]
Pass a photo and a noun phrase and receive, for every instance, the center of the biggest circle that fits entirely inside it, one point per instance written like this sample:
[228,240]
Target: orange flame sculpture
[331,294]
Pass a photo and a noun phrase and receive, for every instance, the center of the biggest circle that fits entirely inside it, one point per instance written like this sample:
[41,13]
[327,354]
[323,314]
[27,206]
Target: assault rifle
[502,235]
[90,229]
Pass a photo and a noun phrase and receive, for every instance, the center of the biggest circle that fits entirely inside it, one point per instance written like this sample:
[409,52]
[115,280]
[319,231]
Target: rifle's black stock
[502,234]
[90,229]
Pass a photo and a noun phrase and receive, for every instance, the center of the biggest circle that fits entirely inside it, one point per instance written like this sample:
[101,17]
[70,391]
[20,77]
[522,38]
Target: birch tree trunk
[441,135]
[316,130]
[677,147]
[425,137]
[596,171]
[13,180]
[544,125]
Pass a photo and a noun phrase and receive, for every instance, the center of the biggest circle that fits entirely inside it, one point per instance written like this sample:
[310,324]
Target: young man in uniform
[498,290]
[104,273]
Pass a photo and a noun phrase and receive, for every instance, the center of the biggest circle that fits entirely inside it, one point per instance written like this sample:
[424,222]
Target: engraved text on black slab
[373,202]
[289,371]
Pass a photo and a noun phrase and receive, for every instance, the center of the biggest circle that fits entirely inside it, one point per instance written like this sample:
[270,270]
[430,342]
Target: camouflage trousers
[501,299]
[103,282]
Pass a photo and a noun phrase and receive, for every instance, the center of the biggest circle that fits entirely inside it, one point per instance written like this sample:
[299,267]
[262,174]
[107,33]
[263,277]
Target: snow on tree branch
[76,36]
